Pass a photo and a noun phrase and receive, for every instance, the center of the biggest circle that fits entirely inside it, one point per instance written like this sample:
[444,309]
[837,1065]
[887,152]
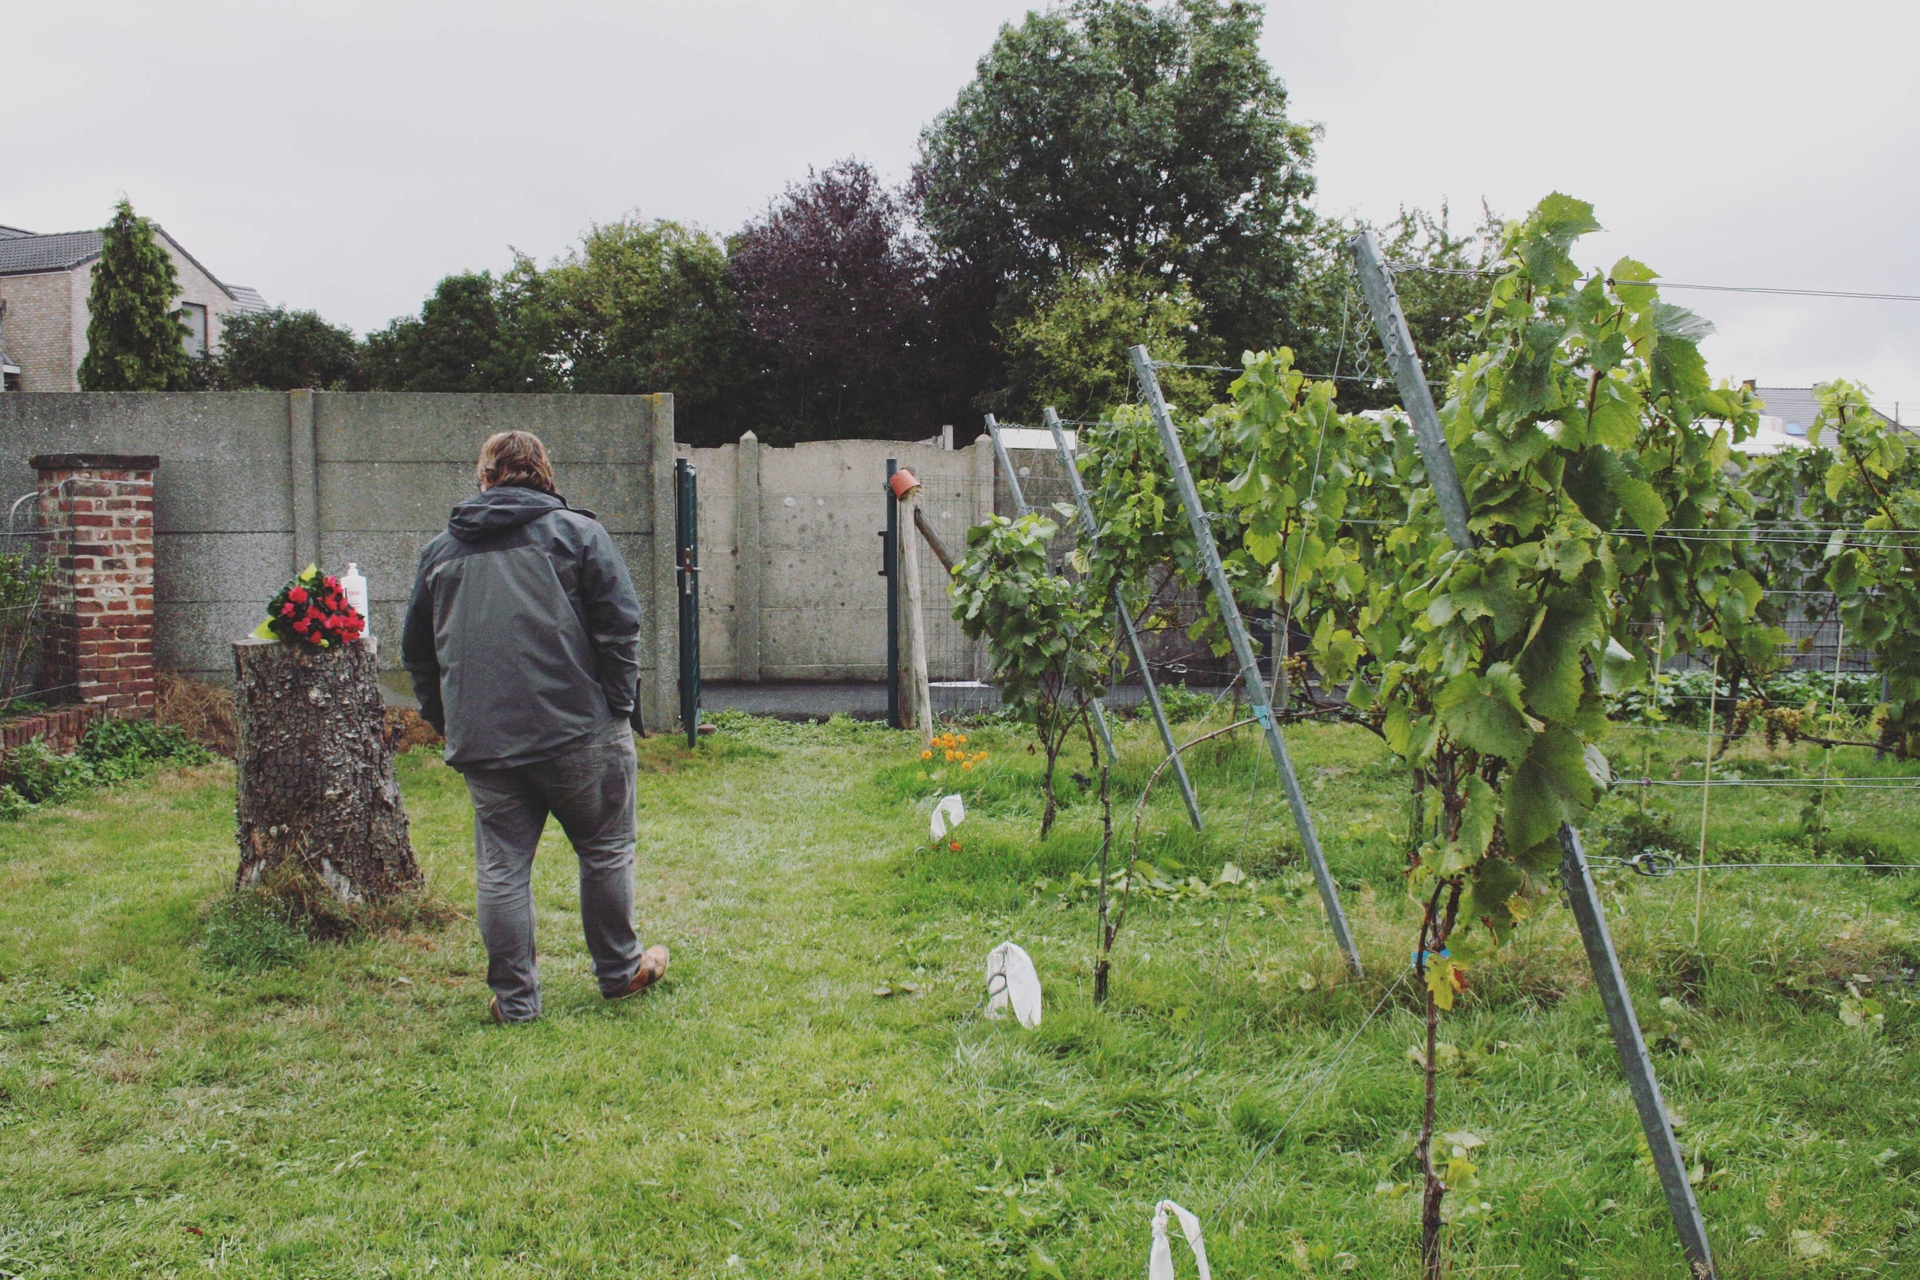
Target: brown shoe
[653,967]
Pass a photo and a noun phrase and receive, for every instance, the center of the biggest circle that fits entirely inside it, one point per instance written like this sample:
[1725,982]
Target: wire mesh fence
[34,600]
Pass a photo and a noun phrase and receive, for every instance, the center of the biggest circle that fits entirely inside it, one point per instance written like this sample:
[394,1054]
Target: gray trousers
[590,790]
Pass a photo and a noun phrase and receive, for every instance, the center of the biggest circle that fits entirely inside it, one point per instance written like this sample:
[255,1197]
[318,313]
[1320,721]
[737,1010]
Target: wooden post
[314,769]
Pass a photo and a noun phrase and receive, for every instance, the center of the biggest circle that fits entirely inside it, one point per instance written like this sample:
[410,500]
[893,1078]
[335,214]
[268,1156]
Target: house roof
[1796,407]
[247,299]
[29,254]
[24,253]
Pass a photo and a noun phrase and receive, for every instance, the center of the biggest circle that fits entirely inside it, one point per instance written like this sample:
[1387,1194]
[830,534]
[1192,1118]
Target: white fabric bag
[1160,1260]
[1013,983]
[948,814]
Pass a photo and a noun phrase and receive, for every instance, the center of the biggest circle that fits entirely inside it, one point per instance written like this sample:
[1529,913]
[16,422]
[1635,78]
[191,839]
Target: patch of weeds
[271,922]
[1853,847]
[250,931]
[111,751]
[1624,830]
[724,748]
[1257,1118]
[836,730]
[1682,972]
[1183,704]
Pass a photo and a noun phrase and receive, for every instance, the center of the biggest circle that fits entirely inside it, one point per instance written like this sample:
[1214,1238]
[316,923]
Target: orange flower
[955,846]
[926,755]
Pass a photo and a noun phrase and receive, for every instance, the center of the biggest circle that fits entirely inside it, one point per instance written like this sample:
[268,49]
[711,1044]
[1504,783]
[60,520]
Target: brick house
[44,284]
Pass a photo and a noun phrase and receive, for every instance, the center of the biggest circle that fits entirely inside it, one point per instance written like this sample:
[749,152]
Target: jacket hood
[494,512]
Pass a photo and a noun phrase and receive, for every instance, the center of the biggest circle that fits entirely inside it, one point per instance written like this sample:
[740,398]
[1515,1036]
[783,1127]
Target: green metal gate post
[687,541]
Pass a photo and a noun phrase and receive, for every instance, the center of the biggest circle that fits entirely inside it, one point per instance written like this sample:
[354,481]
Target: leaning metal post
[1415,396]
[1126,621]
[1384,302]
[1020,508]
[1243,652]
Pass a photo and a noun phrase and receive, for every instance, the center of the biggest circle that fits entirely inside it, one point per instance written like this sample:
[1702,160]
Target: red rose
[301,626]
[286,610]
[333,583]
[298,595]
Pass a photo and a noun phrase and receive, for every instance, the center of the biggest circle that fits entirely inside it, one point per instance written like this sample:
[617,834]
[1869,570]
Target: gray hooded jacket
[523,637]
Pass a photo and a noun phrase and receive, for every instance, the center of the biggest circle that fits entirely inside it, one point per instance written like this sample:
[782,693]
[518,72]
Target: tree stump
[315,770]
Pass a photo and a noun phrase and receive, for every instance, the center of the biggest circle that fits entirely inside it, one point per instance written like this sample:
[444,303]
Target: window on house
[194,316]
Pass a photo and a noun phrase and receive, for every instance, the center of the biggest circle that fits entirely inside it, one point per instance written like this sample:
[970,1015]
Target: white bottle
[354,587]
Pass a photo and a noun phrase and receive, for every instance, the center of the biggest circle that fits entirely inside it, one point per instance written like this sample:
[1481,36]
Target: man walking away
[523,640]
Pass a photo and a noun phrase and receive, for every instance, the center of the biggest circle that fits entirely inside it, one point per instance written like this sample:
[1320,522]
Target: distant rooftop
[25,253]
[1786,420]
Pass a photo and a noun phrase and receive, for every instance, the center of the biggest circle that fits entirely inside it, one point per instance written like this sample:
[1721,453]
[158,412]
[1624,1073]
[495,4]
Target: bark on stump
[315,771]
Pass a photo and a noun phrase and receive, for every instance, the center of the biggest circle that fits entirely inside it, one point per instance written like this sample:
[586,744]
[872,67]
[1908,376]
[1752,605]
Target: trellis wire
[1838,784]
[1664,868]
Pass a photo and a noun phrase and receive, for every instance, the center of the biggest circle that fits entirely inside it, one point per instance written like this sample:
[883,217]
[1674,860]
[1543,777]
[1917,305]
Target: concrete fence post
[303,458]
[750,561]
[659,696]
[981,486]
[97,510]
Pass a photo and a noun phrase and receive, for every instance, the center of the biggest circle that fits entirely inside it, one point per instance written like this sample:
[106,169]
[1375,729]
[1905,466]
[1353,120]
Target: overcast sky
[343,156]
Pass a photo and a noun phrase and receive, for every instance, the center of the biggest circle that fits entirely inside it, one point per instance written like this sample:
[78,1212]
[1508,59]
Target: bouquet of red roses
[312,609]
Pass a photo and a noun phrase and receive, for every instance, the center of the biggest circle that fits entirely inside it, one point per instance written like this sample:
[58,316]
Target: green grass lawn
[766,1113]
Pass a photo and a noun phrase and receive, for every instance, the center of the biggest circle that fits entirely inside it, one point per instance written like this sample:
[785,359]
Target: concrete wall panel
[248,479]
[201,568]
[383,426]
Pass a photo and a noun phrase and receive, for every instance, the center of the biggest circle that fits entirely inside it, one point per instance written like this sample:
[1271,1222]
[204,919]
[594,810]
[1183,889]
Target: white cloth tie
[1160,1260]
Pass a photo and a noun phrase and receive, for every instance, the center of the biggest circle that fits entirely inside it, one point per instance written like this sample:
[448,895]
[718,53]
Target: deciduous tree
[281,350]
[641,306]
[1109,134]
[834,292]
[472,334]
[1071,352]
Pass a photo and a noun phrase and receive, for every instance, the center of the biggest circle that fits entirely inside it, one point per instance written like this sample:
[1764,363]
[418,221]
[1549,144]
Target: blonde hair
[515,457]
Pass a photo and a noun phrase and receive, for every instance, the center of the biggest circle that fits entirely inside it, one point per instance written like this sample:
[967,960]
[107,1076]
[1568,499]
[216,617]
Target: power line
[1674,284]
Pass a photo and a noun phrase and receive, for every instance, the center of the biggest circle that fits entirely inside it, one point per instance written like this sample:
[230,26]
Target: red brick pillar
[97,511]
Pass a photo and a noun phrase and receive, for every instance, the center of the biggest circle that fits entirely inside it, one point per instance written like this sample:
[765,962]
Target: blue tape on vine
[1441,954]
[1264,715]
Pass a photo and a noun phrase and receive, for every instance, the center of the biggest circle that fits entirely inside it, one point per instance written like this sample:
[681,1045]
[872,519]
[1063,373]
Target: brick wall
[97,510]
[38,329]
[61,728]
